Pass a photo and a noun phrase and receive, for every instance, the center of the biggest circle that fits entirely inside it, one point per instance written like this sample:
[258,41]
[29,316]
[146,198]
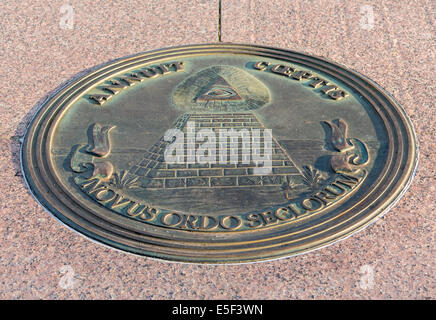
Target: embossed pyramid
[155,173]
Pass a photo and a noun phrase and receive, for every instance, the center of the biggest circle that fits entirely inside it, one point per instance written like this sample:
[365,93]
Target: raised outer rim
[57,207]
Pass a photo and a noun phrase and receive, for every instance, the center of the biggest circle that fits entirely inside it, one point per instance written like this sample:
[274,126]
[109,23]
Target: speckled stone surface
[40,258]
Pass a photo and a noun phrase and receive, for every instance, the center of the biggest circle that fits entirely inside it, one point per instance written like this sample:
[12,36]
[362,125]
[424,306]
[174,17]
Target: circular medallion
[219,153]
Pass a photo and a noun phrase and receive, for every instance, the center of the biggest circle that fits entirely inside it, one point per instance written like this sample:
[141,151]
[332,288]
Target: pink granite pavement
[43,45]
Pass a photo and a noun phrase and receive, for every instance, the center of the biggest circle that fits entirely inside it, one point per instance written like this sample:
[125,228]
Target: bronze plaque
[219,153]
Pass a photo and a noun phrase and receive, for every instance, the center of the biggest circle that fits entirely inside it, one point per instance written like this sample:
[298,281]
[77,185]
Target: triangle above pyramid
[219,90]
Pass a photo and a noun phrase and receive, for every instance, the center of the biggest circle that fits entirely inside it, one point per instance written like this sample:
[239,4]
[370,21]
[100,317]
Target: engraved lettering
[100,98]
[323,196]
[119,201]
[255,220]
[135,209]
[282,70]
[328,88]
[115,87]
[333,189]
[347,180]
[261,65]
[284,214]
[299,75]
[92,185]
[338,94]
[318,82]
[207,223]
[105,195]
[230,222]
[130,80]
[188,221]
[168,218]
[149,73]
[136,76]
[312,204]
[295,210]
[163,68]
[148,214]
[268,217]
[178,66]
[191,221]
